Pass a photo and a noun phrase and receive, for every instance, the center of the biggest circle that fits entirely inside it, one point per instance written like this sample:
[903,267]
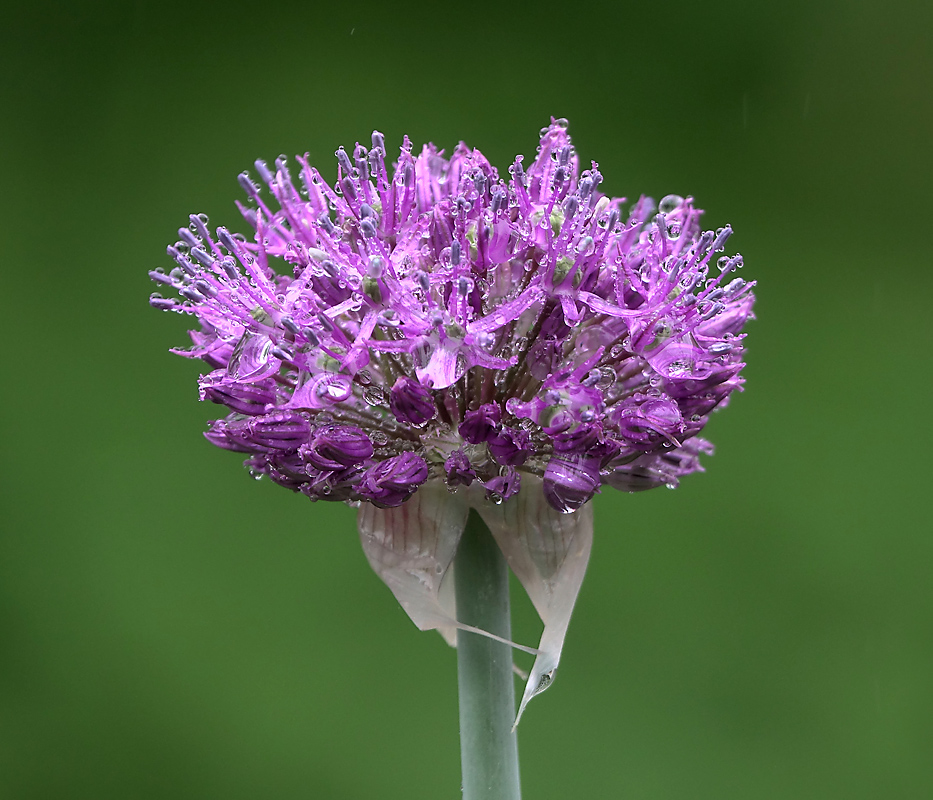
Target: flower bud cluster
[430,320]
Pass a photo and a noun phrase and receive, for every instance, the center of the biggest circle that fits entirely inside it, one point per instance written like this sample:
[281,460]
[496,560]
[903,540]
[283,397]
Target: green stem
[488,745]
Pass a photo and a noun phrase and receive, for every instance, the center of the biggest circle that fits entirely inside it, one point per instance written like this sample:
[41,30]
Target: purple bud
[279,431]
[459,470]
[336,447]
[502,487]
[570,480]
[479,425]
[511,447]
[635,478]
[244,398]
[651,421]
[578,442]
[411,402]
[230,435]
[391,482]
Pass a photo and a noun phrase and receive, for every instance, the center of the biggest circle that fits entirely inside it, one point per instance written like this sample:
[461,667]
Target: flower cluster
[430,320]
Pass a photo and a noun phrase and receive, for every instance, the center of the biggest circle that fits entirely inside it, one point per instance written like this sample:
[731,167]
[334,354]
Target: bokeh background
[171,629]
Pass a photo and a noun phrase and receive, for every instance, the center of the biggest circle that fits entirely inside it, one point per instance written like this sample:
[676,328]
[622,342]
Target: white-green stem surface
[488,745]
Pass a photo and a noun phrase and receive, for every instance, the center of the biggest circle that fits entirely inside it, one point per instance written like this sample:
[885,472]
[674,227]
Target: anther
[704,243]
[735,287]
[163,303]
[188,237]
[191,294]
[160,277]
[205,288]
[264,171]
[722,236]
[344,161]
[247,185]
[229,267]
[198,221]
[325,222]
[202,256]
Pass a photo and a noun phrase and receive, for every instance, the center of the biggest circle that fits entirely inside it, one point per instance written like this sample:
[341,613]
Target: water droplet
[375,396]
[670,203]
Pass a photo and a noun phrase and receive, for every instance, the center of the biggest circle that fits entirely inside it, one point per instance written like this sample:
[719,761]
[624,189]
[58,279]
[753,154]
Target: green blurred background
[170,629]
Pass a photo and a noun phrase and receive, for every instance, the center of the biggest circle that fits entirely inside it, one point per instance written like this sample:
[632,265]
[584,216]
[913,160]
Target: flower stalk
[488,742]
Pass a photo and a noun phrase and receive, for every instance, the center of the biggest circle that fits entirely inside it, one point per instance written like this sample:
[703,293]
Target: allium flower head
[434,321]
[430,323]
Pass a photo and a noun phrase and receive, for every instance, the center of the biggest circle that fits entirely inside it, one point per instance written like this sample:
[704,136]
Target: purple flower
[502,487]
[336,447]
[511,447]
[459,470]
[391,482]
[428,320]
[479,425]
[411,402]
